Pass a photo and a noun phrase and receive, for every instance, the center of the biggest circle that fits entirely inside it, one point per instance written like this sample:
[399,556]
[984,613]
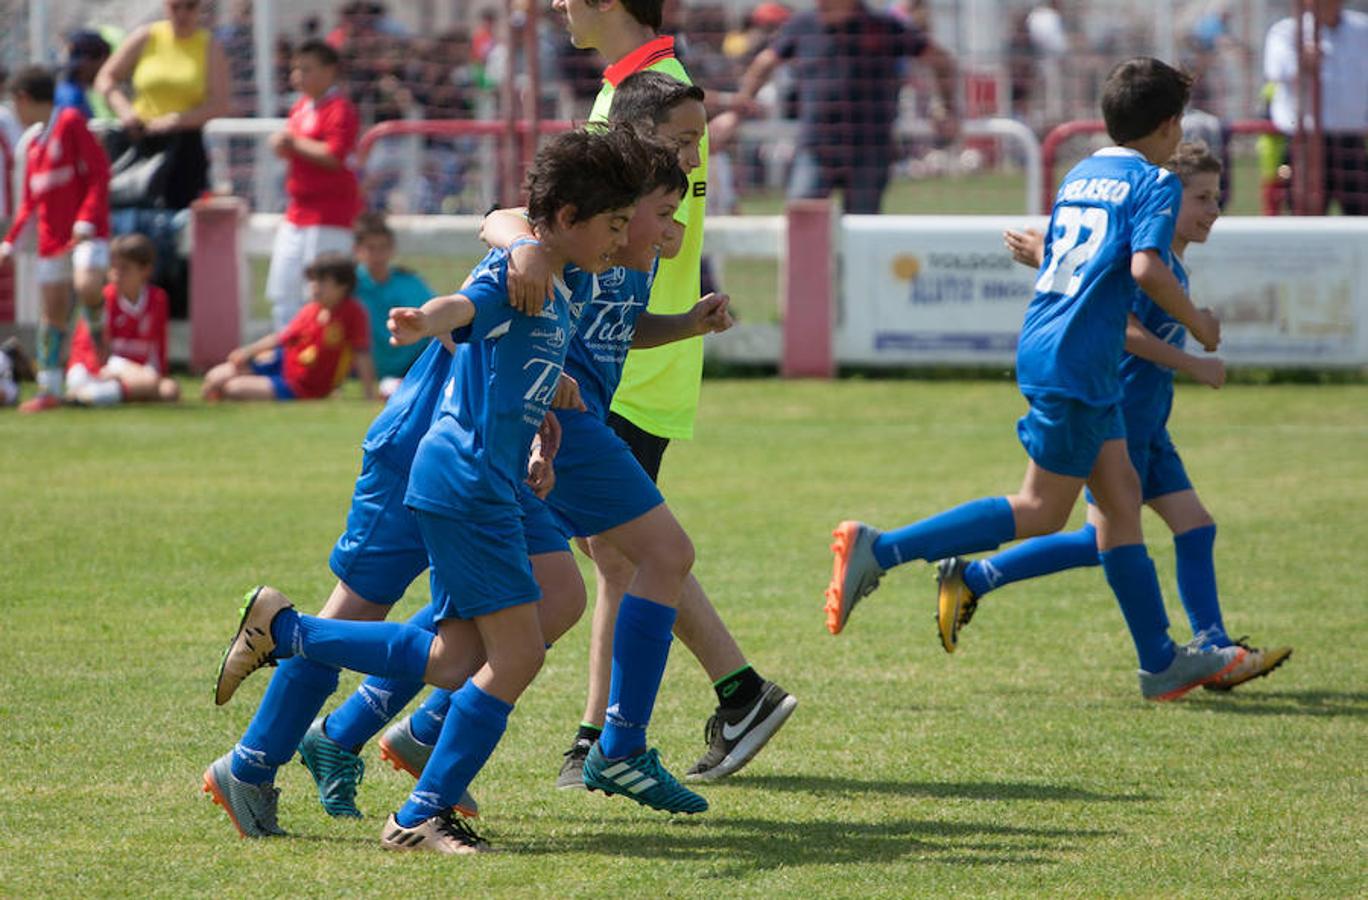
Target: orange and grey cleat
[855,572]
[250,807]
[1256,664]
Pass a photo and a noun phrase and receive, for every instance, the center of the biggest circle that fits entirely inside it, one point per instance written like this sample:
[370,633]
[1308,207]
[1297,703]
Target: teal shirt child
[402,288]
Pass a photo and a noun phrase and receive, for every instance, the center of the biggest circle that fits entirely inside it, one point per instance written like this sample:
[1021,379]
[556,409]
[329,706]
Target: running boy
[1154,351]
[1112,222]
[317,145]
[66,196]
[136,315]
[463,490]
[311,356]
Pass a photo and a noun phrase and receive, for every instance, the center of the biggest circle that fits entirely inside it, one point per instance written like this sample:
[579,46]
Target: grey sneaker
[855,573]
[1256,664]
[955,603]
[440,834]
[336,771]
[734,737]
[571,777]
[252,645]
[1192,667]
[406,753]
[250,807]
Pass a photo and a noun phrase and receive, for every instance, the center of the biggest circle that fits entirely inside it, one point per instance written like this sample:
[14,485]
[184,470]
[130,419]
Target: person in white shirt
[1344,95]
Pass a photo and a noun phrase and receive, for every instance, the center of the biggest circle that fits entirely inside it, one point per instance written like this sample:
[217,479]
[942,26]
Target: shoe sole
[215,793]
[836,613]
[750,746]
[400,764]
[250,600]
[1226,687]
[1180,691]
[950,592]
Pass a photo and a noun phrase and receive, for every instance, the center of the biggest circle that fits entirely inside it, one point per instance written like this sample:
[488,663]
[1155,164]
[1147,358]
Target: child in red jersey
[66,196]
[136,317]
[311,356]
[324,195]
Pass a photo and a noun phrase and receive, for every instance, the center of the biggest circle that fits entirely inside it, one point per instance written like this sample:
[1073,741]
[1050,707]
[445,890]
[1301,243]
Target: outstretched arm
[708,315]
[438,316]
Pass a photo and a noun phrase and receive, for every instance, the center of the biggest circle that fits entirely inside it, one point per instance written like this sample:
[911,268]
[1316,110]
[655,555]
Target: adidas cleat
[1256,664]
[252,646]
[1192,667]
[955,603]
[250,807]
[336,771]
[855,572]
[406,753]
[734,737]
[441,834]
[641,777]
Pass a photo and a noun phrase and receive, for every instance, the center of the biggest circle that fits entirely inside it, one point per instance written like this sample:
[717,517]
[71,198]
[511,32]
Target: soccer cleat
[336,771]
[1256,664]
[20,361]
[641,777]
[571,777]
[251,647]
[855,572]
[955,603]
[40,403]
[250,807]
[441,834]
[1192,666]
[406,753]
[735,736]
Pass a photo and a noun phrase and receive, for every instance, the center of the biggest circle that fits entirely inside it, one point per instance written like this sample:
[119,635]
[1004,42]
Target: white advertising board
[943,290]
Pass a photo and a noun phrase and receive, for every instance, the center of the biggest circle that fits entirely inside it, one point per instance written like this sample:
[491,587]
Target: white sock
[50,382]
[102,393]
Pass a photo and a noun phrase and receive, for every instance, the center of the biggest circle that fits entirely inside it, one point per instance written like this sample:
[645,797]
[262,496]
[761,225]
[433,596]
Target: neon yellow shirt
[171,76]
[659,389]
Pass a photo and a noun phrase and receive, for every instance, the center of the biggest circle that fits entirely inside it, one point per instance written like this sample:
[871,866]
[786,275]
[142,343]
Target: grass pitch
[1024,764]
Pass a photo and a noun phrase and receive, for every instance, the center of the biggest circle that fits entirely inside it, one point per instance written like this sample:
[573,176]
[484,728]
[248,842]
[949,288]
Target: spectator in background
[86,53]
[485,35]
[10,129]
[1344,95]
[239,46]
[318,145]
[381,286]
[847,63]
[179,77]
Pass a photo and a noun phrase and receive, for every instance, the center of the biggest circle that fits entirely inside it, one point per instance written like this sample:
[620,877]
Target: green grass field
[1024,764]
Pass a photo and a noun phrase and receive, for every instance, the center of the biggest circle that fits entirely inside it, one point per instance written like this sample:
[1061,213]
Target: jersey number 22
[1085,228]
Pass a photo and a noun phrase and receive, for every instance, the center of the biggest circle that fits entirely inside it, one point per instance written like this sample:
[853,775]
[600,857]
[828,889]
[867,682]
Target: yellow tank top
[172,76]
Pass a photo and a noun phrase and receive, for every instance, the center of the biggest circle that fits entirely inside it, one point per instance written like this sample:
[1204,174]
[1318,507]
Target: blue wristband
[522,242]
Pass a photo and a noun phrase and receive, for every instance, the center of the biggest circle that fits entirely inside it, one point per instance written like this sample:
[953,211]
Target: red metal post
[809,291]
[215,280]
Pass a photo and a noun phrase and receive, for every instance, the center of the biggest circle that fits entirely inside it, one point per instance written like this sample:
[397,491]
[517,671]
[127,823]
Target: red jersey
[320,196]
[318,345]
[66,180]
[136,329]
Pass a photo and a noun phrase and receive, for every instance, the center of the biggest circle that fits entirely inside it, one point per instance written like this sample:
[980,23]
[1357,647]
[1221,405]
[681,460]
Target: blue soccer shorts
[599,482]
[382,551]
[1064,436]
[478,567]
[274,369]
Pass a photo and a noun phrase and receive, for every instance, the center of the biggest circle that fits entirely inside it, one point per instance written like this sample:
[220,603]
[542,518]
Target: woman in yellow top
[179,78]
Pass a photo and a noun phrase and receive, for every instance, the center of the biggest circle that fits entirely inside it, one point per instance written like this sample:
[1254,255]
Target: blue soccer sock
[474,724]
[388,649]
[641,647]
[1197,584]
[971,528]
[294,697]
[1032,559]
[1130,572]
[427,720]
[376,701]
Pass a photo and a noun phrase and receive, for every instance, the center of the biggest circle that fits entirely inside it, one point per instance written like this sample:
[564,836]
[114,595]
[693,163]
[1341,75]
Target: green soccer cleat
[250,807]
[855,572]
[336,771]
[252,645]
[641,777]
[406,753]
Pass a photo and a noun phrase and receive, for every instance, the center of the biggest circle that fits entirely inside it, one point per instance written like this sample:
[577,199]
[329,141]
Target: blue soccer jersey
[1147,386]
[503,380]
[1111,205]
[599,348]
[394,435]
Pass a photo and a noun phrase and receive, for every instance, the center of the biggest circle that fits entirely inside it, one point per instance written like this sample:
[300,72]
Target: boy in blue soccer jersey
[463,489]
[1112,222]
[1154,351]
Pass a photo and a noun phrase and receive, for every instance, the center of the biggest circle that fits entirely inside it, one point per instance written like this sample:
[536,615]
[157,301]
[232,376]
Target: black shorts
[646,447]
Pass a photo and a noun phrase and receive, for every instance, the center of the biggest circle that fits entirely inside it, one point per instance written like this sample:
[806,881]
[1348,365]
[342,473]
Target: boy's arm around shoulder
[530,277]
[1142,342]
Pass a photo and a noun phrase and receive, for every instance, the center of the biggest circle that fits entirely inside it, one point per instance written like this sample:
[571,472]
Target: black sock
[740,688]
[588,732]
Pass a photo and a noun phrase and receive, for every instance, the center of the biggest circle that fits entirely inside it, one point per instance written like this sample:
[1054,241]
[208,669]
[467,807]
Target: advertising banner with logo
[944,290]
